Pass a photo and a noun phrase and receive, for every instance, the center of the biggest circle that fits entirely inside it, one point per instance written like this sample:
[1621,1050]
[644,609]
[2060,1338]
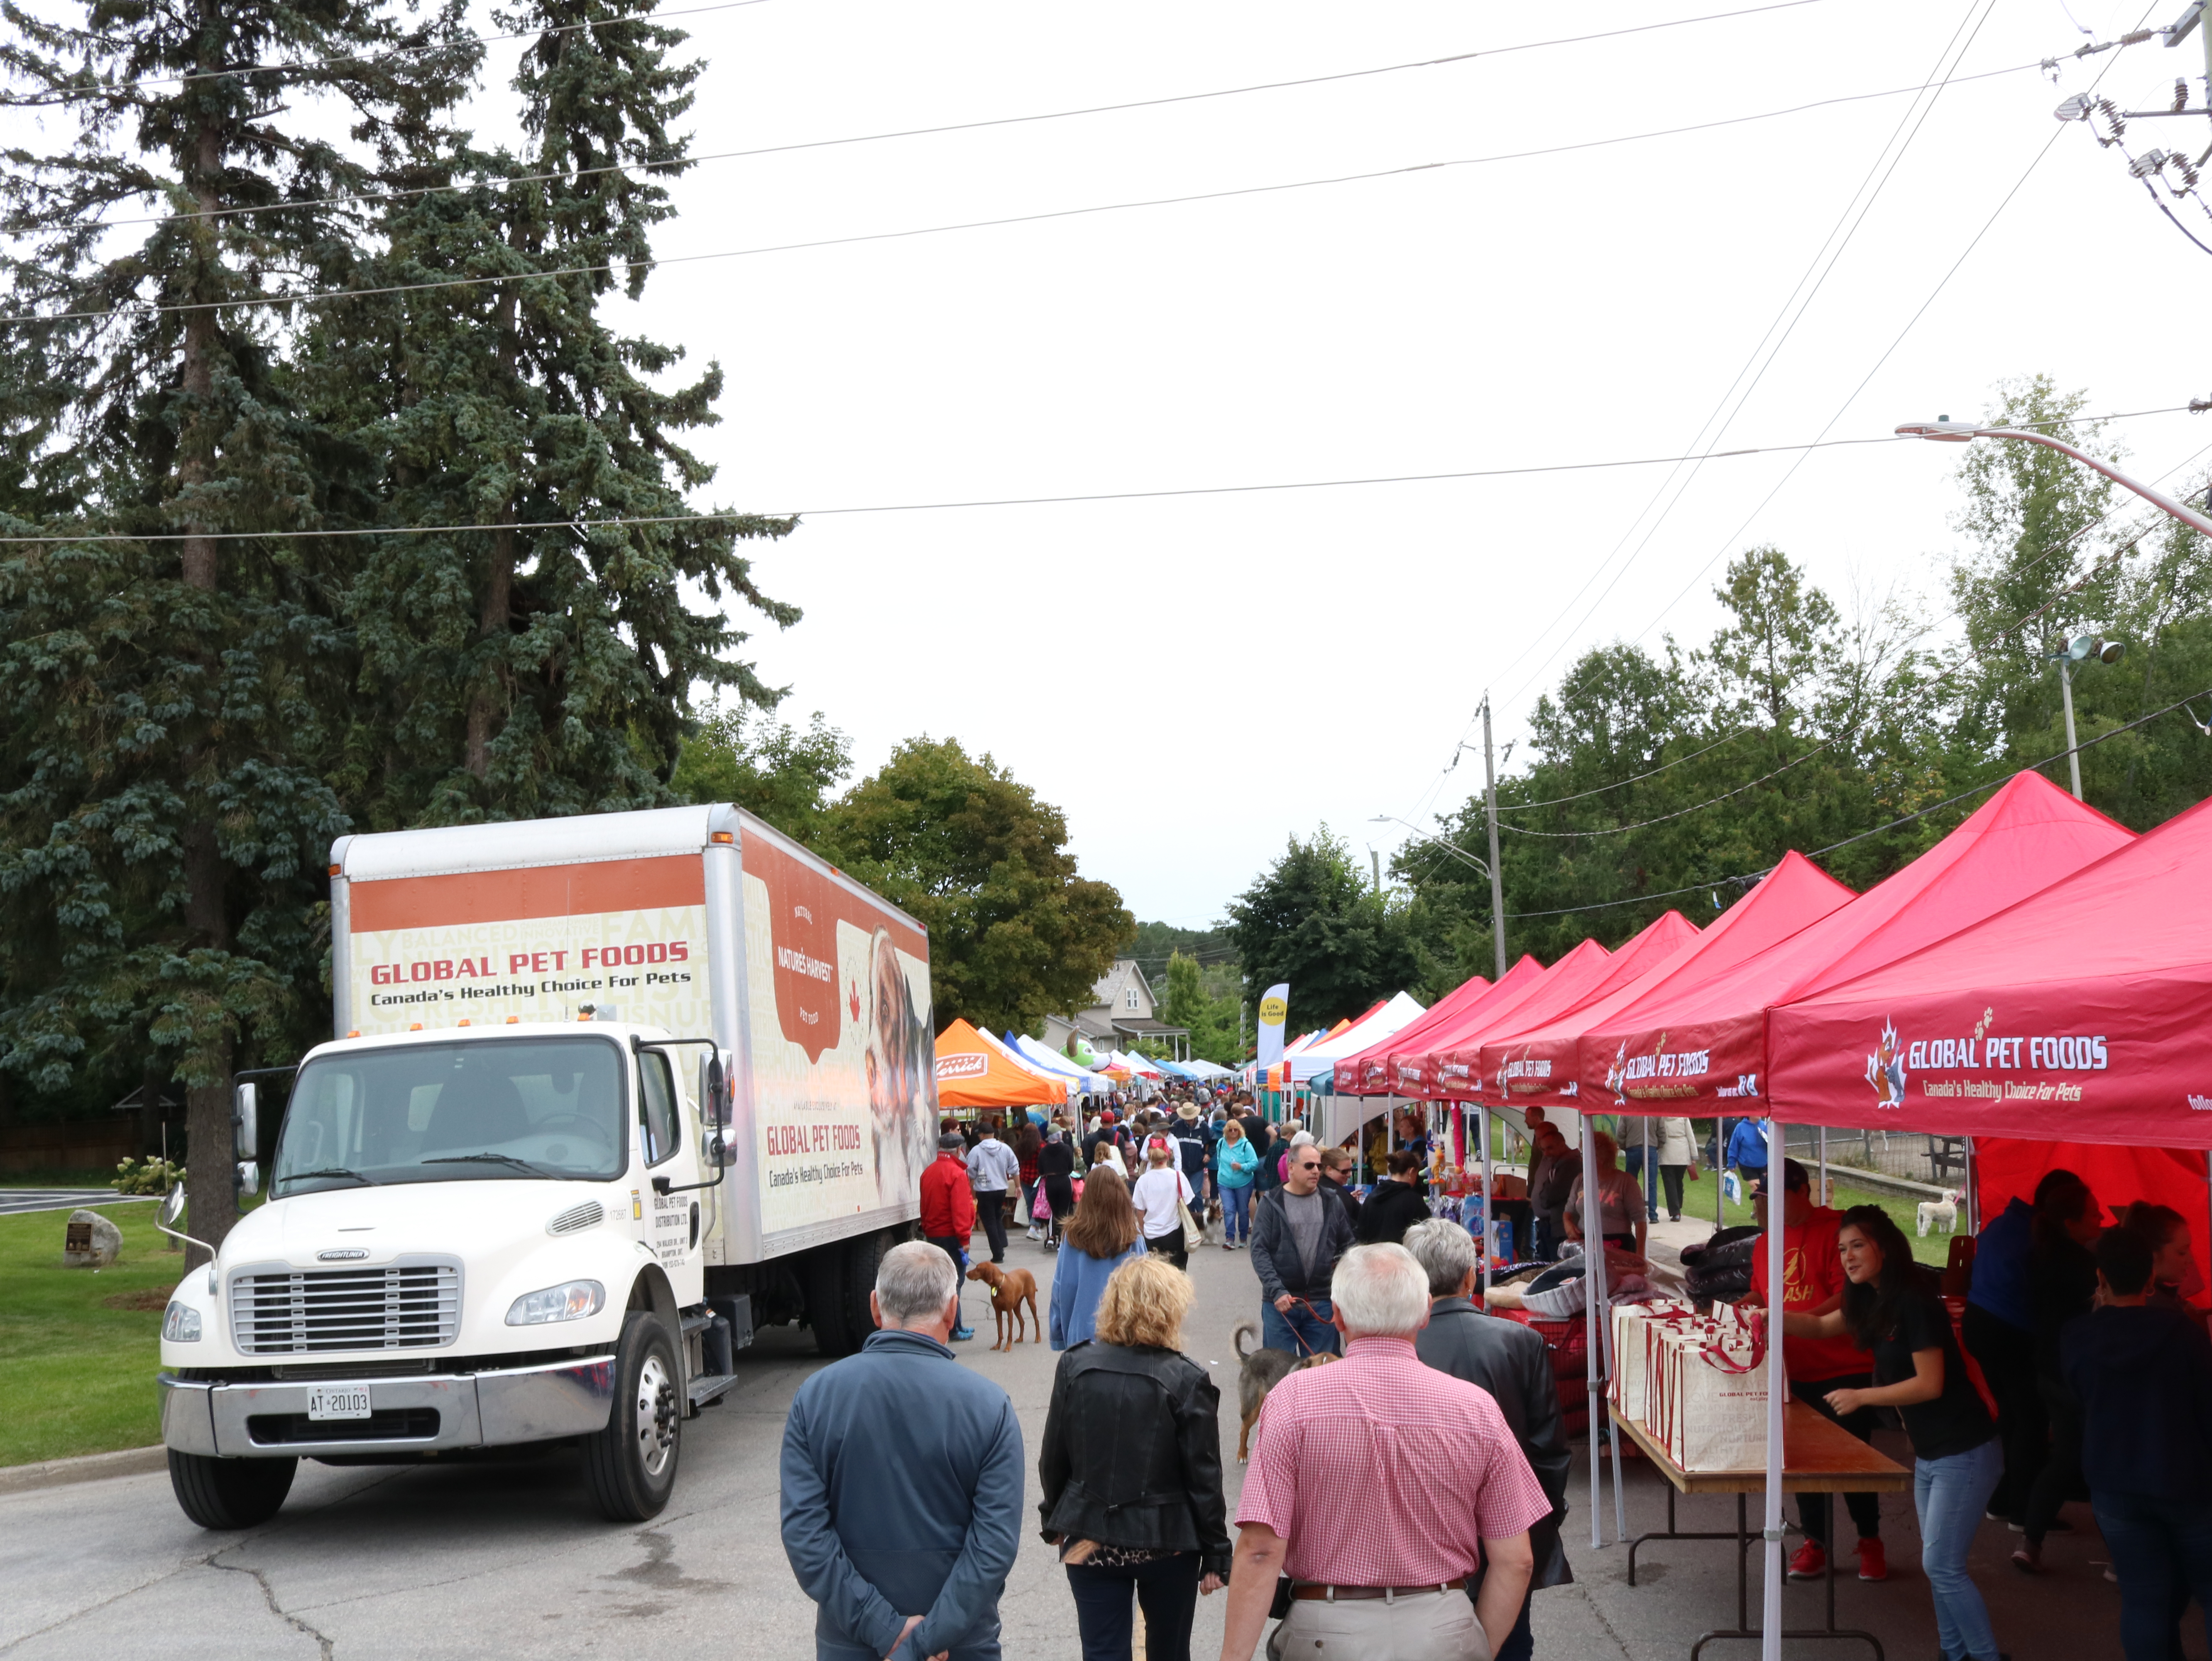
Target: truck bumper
[423,1414]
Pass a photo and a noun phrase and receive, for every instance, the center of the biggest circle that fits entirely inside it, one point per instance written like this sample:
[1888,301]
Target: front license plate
[343,1402]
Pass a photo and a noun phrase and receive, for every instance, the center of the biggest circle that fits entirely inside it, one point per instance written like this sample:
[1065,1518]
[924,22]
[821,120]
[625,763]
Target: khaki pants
[1430,1626]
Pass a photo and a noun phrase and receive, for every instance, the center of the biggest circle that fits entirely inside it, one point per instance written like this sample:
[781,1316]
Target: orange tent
[973,1074]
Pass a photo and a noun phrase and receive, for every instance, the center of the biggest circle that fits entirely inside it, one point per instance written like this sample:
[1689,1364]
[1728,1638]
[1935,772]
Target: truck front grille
[414,1305]
[396,1425]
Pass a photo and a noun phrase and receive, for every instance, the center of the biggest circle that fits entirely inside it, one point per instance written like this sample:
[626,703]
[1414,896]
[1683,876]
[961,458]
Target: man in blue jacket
[901,1525]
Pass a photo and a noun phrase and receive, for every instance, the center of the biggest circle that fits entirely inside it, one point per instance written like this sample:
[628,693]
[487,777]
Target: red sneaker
[1810,1563]
[1874,1562]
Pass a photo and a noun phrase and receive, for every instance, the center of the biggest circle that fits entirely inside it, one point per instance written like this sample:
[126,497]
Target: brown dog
[1010,1289]
[1260,1371]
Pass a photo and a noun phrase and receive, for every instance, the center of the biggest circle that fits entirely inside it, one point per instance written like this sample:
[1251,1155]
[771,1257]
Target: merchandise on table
[1705,1388]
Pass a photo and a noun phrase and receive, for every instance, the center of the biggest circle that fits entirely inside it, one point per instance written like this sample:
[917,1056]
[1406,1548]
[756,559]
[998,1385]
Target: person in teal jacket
[1235,1163]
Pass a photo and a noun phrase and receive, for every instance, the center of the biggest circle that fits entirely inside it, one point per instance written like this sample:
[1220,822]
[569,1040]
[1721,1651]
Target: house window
[1129,998]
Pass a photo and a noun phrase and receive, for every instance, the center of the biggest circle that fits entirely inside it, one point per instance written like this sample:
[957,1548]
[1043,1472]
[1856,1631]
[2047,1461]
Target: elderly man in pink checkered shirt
[1379,1486]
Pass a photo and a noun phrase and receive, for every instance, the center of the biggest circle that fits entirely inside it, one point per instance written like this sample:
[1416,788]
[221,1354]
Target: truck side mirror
[172,1206]
[245,1118]
[717,1077]
[722,1152]
[249,1176]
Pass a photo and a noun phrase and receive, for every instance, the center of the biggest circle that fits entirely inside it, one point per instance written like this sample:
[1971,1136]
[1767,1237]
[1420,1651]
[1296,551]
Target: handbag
[1042,1209]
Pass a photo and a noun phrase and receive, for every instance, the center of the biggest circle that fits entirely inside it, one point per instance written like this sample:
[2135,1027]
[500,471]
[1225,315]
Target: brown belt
[1341,1594]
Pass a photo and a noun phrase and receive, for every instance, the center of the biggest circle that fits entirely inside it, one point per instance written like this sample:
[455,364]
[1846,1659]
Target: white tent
[1041,1055]
[1209,1070]
[1317,1058]
[1028,1064]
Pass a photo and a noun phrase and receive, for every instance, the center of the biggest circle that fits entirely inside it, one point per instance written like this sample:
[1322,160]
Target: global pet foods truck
[610,1092]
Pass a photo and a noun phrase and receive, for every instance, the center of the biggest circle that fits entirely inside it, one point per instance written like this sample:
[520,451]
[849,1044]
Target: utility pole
[2072,753]
[1375,858]
[1490,802]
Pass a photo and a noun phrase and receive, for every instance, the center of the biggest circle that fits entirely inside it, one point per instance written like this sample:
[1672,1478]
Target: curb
[91,1468]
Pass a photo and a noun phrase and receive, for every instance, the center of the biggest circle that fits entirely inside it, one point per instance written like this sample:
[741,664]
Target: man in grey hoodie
[1297,1234]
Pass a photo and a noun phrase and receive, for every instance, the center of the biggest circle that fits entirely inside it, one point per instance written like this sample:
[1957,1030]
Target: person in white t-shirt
[1159,1196]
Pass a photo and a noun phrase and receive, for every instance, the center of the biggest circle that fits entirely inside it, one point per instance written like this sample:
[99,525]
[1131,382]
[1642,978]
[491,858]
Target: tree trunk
[210,1176]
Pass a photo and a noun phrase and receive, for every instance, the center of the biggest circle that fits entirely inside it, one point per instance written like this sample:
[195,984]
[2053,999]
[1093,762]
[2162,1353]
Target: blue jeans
[1299,1333]
[1167,1591]
[1237,1213]
[1950,1496]
[2162,1552]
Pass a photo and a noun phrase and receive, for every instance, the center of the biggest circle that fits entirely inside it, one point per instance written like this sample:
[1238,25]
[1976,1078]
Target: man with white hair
[901,1525]
[1379,1485]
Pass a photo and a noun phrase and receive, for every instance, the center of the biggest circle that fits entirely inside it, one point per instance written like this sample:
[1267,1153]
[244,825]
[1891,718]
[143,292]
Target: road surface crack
[268,1597]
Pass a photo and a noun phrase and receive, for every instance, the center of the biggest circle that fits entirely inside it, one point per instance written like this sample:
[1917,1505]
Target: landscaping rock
[92,1242]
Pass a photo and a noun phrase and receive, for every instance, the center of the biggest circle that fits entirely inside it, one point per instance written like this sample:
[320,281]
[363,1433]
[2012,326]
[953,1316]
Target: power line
[108,90]
[1910,323]
[952,127]
[1892,150]
[1558,802]
[320,294]
[711,516]
[1682,812]
[1937,807]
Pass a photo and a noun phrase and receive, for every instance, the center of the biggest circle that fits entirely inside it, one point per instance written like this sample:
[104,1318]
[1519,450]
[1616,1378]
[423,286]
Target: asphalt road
[14,1200]
[507,1560]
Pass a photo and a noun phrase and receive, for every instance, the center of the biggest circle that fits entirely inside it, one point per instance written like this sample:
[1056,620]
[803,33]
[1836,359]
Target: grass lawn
[76,1370]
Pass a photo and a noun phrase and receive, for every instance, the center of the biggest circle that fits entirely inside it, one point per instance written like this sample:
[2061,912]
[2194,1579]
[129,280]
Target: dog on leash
[1942,1213]
[1010,1289]
[1260,1371]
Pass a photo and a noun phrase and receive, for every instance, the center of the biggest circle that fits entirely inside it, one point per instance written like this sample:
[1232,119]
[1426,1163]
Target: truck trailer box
[703,921]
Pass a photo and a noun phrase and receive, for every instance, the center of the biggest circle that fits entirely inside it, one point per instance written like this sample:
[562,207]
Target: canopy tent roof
[1205,1069]
[1578,974]
[1142,1066]
[2076,1014]
[1366,1071]
[1067,1084]
[1436,1072]
[975,1071]
[1393,1014]
[2027,837]
[1040,1054]
[1499,1073]
[1551,1064]
[1412,1066]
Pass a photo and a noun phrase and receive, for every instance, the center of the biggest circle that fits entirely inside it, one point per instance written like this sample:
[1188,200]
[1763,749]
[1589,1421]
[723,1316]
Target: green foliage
[1211,1014]
[1156,942]
[1313,919]
[774,770]
[152,1175]
[1014,932]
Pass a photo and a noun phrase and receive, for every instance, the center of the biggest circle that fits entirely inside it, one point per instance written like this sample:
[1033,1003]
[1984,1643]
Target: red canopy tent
[1499,1065]
[1703,1047]
[2075,1014]
[1448,1070]
[1408,1071]
[1794,893]
[1367,1072]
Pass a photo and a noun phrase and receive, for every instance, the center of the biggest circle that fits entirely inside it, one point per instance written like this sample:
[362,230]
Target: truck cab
[476,1237]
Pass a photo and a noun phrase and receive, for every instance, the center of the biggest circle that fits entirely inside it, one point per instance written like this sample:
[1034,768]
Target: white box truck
[608,1092]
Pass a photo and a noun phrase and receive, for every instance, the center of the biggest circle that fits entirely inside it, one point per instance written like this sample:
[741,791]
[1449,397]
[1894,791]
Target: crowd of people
[1406,1499]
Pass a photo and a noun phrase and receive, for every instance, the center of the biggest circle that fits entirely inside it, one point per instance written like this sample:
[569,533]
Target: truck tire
[839,1280]
[630,1466]
[229,1493]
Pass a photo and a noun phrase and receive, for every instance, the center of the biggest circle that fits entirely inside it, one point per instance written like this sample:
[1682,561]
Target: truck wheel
[630,1466]
[229,1493]
[863,1258]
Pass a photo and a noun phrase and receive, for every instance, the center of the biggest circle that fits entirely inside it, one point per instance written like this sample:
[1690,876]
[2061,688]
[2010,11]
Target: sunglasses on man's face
[1309,1165]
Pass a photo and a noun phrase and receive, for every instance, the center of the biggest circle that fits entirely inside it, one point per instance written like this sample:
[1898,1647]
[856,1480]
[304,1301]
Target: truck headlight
[181,1325]
[570,1302]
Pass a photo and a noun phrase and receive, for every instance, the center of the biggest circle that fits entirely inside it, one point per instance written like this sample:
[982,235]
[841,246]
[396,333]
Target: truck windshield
[490,1109]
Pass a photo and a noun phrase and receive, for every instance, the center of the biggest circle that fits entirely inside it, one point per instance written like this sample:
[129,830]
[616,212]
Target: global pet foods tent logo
[1885,1069]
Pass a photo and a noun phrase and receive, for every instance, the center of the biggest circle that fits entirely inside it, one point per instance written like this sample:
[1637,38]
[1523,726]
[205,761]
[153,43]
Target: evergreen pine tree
[547,668]
[164,803]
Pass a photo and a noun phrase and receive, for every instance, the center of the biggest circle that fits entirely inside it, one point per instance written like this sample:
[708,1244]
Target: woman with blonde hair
[1131,1470]
[1102,1235]
[1235,1163]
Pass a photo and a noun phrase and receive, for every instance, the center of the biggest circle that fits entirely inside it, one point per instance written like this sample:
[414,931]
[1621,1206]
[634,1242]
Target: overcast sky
[1193,679]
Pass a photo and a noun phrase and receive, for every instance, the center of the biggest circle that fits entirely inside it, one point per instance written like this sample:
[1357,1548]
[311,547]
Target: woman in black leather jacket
[1131,1470]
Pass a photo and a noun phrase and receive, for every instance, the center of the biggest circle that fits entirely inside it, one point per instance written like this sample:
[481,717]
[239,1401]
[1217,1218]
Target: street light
[2080,649]
[1944,430]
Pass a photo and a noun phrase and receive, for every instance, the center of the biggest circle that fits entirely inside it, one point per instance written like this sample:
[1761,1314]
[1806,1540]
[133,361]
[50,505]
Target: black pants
[1817,1510]
[1670,1178]
[1167,1591]
[1169,1245]
[2006,1355]
[2054,1484]
[991,1212]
